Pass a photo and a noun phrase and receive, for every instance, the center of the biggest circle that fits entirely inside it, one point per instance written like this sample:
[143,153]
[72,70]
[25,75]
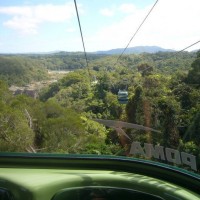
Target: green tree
[112,106]
[73,78]
[134,106]
[183,94]
[5,94]
[15,132]
[168,121]
[145,69]
[193,131]
[21,70]
[49,92]
[194,74]
[63,130]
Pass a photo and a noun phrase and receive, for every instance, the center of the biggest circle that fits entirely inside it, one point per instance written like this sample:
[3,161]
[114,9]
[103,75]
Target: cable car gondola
[122,96]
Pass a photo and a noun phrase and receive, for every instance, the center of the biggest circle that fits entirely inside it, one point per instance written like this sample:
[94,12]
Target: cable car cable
[188,47]
[123,94]
[136,32]
[81,33]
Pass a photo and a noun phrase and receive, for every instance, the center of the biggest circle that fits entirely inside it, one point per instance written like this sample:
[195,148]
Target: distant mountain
[136,50]
[130,50]
[196,50]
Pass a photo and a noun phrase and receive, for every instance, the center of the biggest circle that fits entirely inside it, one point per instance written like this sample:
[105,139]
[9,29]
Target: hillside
[21,70]
[136,50]
[163,93]
[24,69]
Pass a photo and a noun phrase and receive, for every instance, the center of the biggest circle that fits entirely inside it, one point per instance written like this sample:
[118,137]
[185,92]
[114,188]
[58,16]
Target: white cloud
[26,19]
[24,25]
[127,8]
[123,8]
[107,12]
[119,33]
[70,30]
[172,24]
[52,13]
[16,10]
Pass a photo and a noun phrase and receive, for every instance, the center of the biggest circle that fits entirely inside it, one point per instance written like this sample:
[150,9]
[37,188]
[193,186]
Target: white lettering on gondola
[166,154]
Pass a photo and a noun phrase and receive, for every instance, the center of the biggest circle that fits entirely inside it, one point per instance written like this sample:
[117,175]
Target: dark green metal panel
[41,176]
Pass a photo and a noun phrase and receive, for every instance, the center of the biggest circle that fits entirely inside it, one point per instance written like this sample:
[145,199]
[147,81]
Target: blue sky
[51,25]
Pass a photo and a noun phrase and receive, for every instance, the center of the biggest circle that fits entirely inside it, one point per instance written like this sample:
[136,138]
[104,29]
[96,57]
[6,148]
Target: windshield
[118,78]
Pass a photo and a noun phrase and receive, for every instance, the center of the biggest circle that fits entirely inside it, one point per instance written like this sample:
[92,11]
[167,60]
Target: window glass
[118,78]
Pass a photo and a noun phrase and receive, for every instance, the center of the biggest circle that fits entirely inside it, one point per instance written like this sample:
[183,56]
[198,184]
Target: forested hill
[22,69]
[164,94]
[136,50]
[64,60]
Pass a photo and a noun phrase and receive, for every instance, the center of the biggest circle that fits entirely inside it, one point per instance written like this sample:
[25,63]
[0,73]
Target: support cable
[136,32]
[81,34]
[175,55]
[188,47]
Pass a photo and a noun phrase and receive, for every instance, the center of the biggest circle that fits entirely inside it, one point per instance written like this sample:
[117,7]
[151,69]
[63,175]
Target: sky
[51,25]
